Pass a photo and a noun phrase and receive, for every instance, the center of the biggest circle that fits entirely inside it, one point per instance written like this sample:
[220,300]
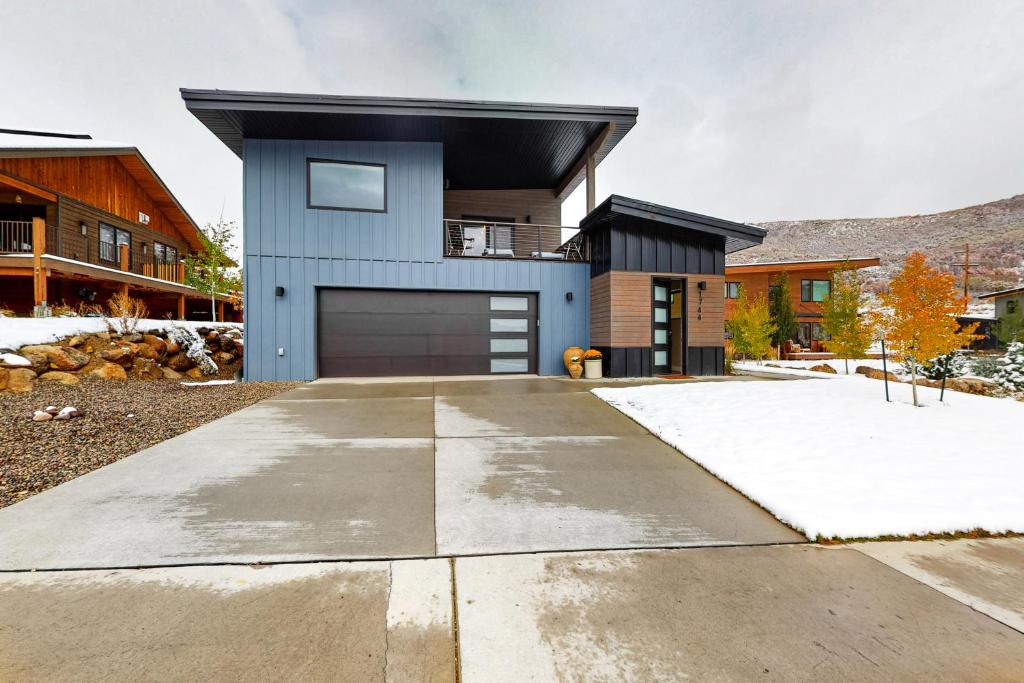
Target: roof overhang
[487,145]
[804,265]
[1002,292]
[737,235]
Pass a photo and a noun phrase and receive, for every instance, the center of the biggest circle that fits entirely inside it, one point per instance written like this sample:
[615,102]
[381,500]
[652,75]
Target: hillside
[994,230]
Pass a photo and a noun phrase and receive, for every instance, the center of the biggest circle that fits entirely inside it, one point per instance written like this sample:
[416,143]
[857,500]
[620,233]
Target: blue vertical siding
[287,245]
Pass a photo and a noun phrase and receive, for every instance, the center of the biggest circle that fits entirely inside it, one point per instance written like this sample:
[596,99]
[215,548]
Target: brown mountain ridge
[995,232]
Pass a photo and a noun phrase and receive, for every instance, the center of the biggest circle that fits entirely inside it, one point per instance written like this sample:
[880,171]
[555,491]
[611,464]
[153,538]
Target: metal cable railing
[484,239]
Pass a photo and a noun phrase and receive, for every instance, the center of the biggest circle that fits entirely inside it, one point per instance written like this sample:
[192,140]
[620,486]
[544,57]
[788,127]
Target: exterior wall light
[568,297]
[84,228]
[278,291]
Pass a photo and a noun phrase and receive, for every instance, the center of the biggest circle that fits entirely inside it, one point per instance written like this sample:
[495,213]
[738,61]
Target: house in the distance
[395,236]
[810,282]
[81,219]
[1007,302]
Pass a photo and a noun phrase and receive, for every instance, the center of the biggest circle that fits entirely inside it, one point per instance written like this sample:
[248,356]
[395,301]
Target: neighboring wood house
[1007,301]
[81,219]
[810,282]
[394,236]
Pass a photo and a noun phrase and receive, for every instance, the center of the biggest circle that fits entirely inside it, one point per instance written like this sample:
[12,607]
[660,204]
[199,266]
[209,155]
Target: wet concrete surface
[324,622]
[781,613]
[987,574]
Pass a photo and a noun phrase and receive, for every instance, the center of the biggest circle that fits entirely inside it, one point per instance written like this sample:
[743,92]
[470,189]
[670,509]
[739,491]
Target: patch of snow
[834,459]
[212,382]
[14,360]
[18,332]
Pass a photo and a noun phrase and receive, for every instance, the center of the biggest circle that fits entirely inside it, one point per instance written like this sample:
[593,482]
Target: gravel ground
[35,456]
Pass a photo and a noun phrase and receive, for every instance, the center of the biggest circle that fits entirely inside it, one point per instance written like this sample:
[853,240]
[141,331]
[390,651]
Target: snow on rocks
[831,458]
[194,347]
[13,360]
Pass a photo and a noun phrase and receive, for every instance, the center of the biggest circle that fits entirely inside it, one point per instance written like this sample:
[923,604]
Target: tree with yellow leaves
[918,319]
[751,326]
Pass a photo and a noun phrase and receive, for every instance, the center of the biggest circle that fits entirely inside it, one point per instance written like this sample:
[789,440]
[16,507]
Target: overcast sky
[748,110]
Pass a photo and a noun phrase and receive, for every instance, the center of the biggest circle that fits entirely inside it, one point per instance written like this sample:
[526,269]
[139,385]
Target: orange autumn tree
[919,315]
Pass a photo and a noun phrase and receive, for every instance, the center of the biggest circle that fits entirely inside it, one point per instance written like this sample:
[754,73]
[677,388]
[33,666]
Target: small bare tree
[125,313]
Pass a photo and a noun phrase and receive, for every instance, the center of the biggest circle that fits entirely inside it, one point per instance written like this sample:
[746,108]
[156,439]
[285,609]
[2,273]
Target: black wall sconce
[278,291]
[702,285]
[568,297]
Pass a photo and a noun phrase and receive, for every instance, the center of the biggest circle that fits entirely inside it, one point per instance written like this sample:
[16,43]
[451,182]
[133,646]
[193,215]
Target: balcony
[18,237]
[521,241]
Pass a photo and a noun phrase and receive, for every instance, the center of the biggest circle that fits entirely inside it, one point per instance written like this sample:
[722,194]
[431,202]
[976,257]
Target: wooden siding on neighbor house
[86,248]
[620,305]
[100,181]
[540,207]
[757,284]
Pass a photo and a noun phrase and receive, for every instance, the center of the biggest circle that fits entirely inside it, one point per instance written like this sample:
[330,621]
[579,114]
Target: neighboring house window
[815,290]
[164,253]
[1011,306]
[111,239]
[346,185]
[732,290]
[808,332]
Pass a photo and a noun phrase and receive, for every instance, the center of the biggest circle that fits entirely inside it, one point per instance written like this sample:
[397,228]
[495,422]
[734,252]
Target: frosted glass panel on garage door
[510,365]
[510,346]
[510,303]
[509,325]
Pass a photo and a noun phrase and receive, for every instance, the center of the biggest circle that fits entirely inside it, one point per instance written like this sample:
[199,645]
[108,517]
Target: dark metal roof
[1002,292]
[487,145]
[737,235]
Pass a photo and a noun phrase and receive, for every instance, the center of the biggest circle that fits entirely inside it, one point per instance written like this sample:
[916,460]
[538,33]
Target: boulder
[122,354]
[50,357]
[134,338]
[20,380]
[103,335]
[227,344]
[144,350]
[170,374]
[195,374]
[76,341]
[158,344]
[823,367]
[863,369]
[180,362]
[41,416]
[173,347]
[146,368]
[875,373]
[111,371]
[67,412]
[59,376]
[13,360]
[203,331]
[224,358]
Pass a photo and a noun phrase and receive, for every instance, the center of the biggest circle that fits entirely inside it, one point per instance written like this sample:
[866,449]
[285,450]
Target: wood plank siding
[620,305]
[100,181]
[540,207]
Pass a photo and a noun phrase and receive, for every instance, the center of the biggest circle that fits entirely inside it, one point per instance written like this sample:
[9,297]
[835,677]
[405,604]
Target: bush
[125,313]
[1010,373]
[951,365]
[985,366]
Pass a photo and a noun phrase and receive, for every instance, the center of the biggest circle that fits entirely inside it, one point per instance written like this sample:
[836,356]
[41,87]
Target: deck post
[38,249]
[181,307]
[124,289]
[220,311]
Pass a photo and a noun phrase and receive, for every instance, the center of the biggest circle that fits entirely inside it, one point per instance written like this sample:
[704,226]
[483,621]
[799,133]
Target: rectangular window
[510,303]
[163,253]
[661,336]
[815,290]
[661,315]
[346,185]
[111,239]
[732,290]
[509,324]
[510,365]
[509,346]
[1011,306]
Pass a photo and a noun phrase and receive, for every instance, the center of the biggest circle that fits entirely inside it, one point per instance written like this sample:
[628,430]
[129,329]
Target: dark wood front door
[661,316]
[382,332]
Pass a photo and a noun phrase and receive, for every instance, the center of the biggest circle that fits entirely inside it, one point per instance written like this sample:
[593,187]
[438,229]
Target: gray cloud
[752,111]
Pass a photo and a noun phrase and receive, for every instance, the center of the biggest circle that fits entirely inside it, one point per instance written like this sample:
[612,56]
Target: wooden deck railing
[15,237]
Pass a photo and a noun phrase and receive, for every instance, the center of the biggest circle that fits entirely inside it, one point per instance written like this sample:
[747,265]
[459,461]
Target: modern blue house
[387,236]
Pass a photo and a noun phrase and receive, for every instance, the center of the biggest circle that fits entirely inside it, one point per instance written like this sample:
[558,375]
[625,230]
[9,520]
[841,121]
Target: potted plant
[592,364]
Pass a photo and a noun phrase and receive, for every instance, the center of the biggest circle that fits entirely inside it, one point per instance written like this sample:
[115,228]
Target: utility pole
[966,265]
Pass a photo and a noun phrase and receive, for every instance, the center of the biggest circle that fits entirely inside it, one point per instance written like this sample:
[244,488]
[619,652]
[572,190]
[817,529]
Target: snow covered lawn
[831,458]
[18,332]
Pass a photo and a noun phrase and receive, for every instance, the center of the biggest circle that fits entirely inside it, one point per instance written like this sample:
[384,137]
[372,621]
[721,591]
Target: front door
[661,315]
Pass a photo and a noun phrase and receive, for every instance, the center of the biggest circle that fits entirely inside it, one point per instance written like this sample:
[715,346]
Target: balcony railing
[16,238]
[483,239]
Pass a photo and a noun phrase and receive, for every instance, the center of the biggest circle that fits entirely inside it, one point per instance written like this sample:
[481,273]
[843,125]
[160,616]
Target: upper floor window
[111,239]
[164,253]
[1011,306]
[346,185]
[815,290]
[732,290]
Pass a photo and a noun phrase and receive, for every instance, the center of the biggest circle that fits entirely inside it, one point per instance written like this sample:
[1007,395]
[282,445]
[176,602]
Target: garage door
[373,333]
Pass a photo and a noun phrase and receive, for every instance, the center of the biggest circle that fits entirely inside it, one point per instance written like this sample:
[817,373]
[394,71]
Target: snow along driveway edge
[833,460]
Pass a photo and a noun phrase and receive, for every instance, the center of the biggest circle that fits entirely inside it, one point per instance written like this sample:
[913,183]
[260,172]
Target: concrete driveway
[388,469]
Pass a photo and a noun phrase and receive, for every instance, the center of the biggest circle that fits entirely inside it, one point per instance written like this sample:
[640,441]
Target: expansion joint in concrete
[456,644]
[387,626]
